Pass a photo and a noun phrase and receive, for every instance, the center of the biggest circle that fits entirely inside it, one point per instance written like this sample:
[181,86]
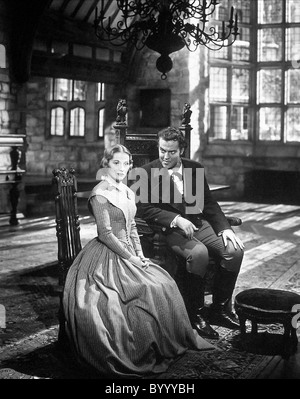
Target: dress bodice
[114,210]
[121,219]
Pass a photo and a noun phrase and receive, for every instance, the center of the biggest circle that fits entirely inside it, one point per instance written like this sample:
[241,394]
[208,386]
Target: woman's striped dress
[123,320]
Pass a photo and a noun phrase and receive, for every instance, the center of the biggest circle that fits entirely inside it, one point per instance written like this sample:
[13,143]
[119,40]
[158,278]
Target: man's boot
[191,287]
[221,313]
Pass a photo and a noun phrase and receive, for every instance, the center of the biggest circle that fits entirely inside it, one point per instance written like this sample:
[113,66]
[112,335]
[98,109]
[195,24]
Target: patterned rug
[38,357]
[28,343]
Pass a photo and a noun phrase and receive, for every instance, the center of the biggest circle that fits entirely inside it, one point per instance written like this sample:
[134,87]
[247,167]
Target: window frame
[284,65]
[256,66]
[90,105]
[230,63]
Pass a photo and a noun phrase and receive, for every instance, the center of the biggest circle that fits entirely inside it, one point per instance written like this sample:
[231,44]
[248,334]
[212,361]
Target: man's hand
[187,226]
[228,234]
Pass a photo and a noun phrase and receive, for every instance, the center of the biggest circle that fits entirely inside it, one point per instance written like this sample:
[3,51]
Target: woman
[125,315]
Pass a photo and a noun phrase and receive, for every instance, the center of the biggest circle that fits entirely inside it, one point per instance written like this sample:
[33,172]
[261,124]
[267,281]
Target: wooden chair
[64,184]
[69,242]
[143,148]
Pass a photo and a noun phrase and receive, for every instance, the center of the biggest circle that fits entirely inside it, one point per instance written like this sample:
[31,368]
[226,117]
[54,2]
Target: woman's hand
[143,258]
[137,261]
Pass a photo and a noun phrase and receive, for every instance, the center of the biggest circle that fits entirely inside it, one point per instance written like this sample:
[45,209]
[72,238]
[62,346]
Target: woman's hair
[172,134]
[109,154]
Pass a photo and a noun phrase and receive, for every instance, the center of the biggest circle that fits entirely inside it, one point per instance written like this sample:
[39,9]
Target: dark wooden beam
[77,8]
[71,67]
[25,17]
[91,10]
[64,6]
[54,26]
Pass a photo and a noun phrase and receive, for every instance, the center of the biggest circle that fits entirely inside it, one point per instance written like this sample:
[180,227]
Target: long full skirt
[123,320]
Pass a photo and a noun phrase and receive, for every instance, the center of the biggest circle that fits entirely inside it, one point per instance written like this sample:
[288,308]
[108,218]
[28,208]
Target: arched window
[57,121]
[2,56]
[69,103]
[77,122]
[101,123]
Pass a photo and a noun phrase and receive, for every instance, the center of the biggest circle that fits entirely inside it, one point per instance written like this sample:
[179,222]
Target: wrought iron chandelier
[166,26]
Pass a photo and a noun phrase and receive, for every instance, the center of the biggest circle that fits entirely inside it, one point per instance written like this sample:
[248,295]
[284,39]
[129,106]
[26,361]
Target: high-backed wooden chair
[67,231]
[143,148]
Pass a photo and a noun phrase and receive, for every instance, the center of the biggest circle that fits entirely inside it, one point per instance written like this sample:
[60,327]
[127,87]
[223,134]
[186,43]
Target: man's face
[169,153]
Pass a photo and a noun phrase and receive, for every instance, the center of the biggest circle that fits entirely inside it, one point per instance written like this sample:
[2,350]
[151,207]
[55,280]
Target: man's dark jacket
[163,214]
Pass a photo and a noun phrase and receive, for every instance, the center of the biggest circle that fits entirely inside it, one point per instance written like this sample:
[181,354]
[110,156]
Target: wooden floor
[271,234]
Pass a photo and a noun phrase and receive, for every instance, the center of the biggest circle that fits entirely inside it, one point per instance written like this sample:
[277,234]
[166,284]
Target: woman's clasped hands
[139,260]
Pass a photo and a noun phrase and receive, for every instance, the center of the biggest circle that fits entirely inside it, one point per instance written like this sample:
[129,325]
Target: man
[194,232]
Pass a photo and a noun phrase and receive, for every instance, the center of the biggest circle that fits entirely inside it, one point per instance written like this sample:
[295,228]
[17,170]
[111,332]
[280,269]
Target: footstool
[267,306]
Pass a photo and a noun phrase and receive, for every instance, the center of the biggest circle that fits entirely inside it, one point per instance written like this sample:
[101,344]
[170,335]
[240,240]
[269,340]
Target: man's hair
[172,134]
[109,154]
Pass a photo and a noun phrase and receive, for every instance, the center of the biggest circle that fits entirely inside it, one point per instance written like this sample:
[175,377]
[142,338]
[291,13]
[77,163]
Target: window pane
[269,86]
[242,7]
[219,125]
[292,86]
[77,122]
[240,85]
[241,47]
[269,11]
[239,123]
[221,12]
[270,44]
[101,123]
[293,44]
[270,124]
[293,11]
[80,88]
[219,54]
[62,89]
[2,56]
[57,121]
[218,84]
[100,92]
[293,124]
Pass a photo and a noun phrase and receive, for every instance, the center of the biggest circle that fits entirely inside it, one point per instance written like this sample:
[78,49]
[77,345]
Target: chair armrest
[234,221]
[147,229]
[143,227]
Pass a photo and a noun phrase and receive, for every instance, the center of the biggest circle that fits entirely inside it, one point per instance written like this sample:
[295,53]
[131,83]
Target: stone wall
[187,83]
[45,153]
[10,112]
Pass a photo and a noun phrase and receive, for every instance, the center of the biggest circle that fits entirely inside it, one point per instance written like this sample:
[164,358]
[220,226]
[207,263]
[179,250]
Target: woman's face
[118,166]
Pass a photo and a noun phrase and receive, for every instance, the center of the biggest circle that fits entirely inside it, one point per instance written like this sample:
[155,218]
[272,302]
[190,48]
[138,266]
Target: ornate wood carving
[15,173]
[67,219]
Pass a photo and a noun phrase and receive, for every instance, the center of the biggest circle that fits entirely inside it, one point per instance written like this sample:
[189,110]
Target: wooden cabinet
[12,147]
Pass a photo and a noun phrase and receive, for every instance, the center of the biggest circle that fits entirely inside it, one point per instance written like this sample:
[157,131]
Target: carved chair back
[67,231]
[67,219]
